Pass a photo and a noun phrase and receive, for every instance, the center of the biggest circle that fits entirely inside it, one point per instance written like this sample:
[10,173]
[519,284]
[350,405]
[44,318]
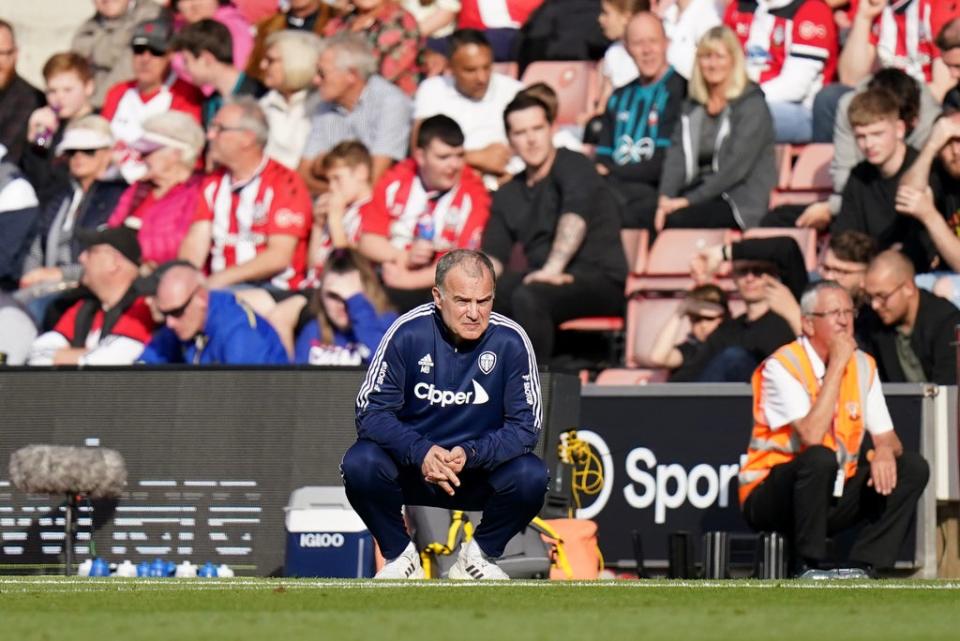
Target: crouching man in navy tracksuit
[448,416]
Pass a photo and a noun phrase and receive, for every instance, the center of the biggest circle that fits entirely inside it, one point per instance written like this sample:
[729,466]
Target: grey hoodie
[744,164]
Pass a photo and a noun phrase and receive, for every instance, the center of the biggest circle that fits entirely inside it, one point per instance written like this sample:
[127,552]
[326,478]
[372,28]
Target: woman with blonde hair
[720,167]
[288,66]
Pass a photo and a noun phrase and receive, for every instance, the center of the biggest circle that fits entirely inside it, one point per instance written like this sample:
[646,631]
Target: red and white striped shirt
[773,32]
[400,201]
[245,215]
[904,37]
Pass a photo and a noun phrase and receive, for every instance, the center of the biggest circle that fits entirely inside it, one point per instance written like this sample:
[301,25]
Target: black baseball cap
[123,239]
[155,34]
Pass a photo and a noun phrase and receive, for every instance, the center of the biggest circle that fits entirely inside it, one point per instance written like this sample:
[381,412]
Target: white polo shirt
[786,400]
[481,120]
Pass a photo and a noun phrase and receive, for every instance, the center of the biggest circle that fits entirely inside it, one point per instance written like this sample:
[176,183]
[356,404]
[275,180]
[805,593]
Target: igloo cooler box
[325,537]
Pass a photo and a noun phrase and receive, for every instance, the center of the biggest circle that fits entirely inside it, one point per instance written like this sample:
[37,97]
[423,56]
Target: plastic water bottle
[185,570]
[44,138]
[425,230]
[208,571]
[158,568]
[99,567]
[224,571]
[126,570]
[84,568]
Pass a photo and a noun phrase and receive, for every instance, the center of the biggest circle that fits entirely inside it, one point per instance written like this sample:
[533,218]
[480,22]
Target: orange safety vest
[769,447]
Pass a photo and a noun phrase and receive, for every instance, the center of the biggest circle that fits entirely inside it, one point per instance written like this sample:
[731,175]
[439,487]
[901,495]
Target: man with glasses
[18,98]
[112,322]
[154,89]
[203,327]
[357,104]
[913,341]
[254,216]
[814,400]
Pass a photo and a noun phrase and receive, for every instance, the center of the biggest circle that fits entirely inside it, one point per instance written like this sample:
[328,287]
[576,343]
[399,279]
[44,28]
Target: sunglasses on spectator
[178,312]
[139,50]
[89,153]
[759,271]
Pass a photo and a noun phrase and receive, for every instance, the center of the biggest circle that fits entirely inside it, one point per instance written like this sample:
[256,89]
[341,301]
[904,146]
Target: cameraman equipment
[75,472]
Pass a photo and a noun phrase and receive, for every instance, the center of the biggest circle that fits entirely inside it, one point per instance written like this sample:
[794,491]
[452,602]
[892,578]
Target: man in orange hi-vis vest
[805,477]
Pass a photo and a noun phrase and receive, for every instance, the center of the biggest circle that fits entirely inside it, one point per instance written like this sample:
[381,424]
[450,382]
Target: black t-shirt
[761,338]
[869,206]
[529,216]
[946,195]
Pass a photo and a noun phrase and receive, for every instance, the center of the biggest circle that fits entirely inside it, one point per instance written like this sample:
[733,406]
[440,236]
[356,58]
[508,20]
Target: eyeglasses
[139,50]
[758,271]
[836,314]
[883,298]
[217,128]
[89,153]
[178,312]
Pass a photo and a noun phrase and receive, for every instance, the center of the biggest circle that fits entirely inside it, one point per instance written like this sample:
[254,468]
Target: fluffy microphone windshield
[50,469]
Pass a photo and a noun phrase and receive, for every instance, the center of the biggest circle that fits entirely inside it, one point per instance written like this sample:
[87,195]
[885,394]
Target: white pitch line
[81,584]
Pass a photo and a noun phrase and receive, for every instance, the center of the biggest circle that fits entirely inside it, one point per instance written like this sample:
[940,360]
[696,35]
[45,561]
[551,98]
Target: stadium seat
[506,68]
[571,81]
[668,262]
[645,317]
[810,179]
[623,376]
[805,237]
[784,156]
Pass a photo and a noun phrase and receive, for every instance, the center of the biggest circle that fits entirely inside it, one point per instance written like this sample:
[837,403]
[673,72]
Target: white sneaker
[405,566]
[471,565]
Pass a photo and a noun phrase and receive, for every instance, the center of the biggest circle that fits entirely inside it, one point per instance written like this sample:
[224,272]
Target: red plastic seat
[571,81]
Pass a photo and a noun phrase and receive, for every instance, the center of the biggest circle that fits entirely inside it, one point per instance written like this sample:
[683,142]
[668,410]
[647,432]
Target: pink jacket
[163,222]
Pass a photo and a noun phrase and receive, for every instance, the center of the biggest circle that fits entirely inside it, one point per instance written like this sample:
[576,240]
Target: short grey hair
[808,301]
[252,117]
[472,260]
[353,53]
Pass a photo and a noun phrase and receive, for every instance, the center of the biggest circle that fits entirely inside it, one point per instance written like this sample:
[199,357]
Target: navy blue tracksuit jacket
[421,390]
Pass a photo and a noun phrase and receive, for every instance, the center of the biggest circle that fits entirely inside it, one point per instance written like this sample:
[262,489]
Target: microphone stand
[69,528]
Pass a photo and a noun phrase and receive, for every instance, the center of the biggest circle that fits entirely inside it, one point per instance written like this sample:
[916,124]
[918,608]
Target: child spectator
[703,308]
[350,313]
[69,89]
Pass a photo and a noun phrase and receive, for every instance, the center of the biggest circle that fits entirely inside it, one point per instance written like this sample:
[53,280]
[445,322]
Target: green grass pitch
[243,608]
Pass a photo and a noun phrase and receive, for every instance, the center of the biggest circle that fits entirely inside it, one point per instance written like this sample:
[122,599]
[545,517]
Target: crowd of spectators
[207,181]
